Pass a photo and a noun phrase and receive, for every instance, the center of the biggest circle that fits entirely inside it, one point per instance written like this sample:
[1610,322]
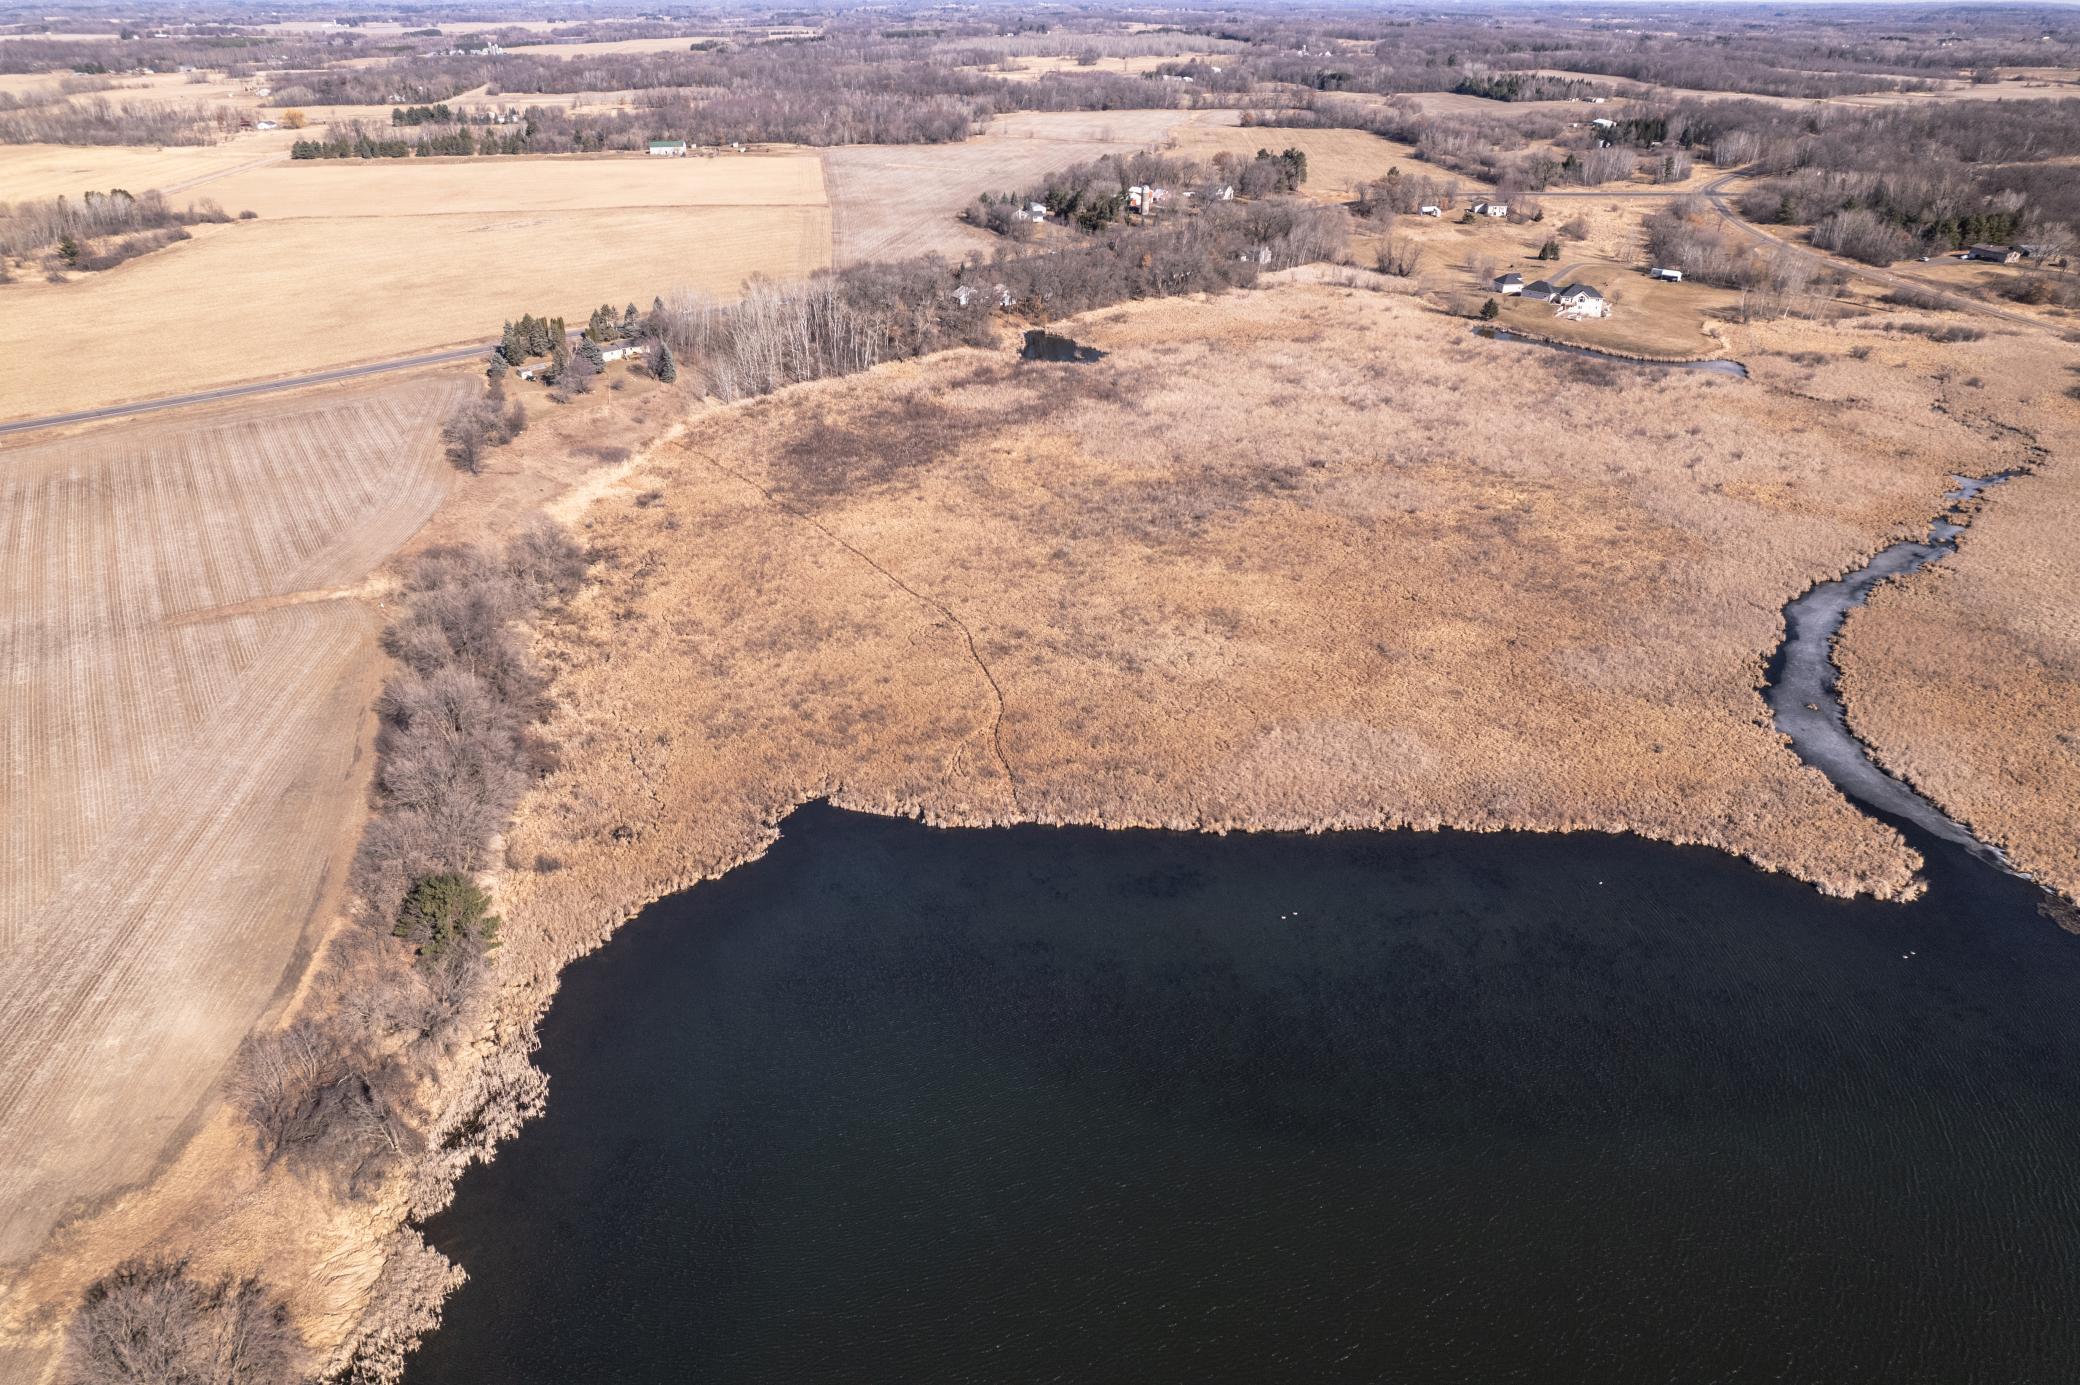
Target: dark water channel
[1711,366]
[912,1105]
[1803,697]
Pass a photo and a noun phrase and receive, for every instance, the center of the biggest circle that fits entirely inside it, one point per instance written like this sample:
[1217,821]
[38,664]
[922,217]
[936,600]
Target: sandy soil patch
[262,298]
[188,753]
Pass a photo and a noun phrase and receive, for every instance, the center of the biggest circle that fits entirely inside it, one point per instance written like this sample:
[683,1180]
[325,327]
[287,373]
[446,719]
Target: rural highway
[293,382]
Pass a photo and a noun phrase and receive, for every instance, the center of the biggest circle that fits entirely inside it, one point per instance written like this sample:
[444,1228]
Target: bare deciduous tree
[152,1323]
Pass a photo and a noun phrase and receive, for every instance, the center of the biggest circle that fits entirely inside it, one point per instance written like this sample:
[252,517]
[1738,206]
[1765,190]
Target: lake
[903,1104]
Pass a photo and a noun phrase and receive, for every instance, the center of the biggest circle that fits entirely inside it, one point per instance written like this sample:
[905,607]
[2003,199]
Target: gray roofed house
[1582,300]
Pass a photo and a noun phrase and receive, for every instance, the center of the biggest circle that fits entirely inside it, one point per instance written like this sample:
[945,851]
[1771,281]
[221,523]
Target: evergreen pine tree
[629,318]
[445,909]
[589,349]
[662,365]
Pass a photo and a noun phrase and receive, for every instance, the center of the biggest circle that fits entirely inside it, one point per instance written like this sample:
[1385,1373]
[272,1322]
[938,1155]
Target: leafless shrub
[1399,256]
[2041,289]
[455,746]
[1925,300]
[1863,235]
[480,425]
[1941,334]
[152,1323]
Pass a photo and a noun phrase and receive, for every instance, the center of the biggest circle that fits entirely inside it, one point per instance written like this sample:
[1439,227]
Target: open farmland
[896,201]
[396,188]
[1032,69]
[186,753]
[1337,160]
[336,277]
[678,43]
[30,172]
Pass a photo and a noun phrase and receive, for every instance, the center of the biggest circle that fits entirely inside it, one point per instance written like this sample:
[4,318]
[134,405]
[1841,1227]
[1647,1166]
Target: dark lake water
[908,1105]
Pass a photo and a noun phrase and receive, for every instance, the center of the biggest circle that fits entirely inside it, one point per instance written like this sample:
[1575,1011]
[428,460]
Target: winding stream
[1803,692]
[1711,366]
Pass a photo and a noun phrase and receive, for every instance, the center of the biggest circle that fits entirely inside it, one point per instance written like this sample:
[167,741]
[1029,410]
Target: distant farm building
[1665,274]
[1429,209]
[1145,199]
[1994,254]
[668,148]
[1497,209]
[622,352]
[1510,284]
[1604,122]
[1541,291]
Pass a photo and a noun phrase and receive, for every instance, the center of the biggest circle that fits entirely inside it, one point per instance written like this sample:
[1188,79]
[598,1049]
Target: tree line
[335,1094]
[853,319]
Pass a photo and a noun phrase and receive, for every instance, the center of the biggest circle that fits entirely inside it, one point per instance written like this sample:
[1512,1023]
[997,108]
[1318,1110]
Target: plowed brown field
[182,717]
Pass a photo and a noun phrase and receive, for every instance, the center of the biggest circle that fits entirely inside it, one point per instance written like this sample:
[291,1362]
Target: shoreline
[556,919]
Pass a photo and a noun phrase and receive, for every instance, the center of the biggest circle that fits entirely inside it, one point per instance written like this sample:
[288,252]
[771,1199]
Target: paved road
[176,401]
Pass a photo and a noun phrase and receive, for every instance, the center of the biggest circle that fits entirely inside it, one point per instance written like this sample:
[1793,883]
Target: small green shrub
[442,910]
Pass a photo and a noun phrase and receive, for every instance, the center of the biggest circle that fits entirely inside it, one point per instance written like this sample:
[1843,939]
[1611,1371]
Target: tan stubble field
[185,715]
[361,263]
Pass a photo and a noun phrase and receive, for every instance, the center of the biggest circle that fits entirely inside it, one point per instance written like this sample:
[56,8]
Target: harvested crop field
[188,757]
[897,201]
[983,591]
[545,183]
[36,171]
[292,294]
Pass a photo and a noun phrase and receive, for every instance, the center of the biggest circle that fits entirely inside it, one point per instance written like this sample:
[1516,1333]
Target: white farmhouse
[1578,301]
